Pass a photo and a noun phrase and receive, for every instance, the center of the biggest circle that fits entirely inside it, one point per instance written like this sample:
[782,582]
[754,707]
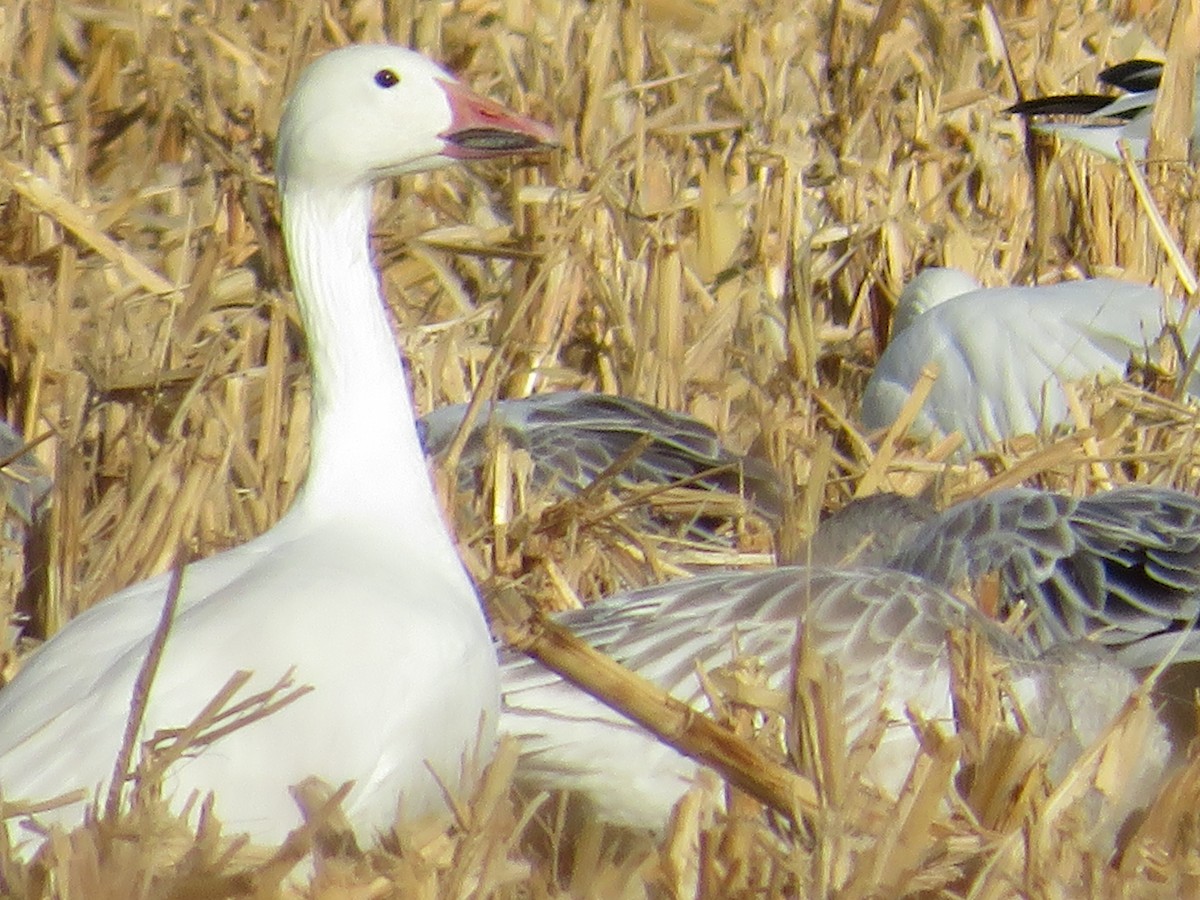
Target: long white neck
[366,463]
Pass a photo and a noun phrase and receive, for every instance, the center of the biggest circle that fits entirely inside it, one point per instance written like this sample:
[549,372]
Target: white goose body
[358,589]
[1004,354]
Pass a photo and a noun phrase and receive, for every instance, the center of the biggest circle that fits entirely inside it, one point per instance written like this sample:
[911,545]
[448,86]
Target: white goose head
[929,288]
[405,113]
[358,115]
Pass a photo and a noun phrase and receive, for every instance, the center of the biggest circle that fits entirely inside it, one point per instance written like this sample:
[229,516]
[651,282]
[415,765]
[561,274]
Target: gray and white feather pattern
[885,631]
[1119,568]
[572,437]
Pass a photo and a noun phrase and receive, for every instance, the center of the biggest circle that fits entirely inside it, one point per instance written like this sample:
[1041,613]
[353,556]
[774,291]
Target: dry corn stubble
[742,192]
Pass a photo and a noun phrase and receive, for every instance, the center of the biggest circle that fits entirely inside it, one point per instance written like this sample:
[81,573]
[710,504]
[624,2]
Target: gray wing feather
[867,531]
[884,630]
[572,437]
[1121,567]
[664,632]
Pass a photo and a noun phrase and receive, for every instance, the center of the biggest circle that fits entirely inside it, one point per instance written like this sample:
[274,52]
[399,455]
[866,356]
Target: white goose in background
[573,437]
[358,588]
[1107,120]
[886,632]
[1004,353]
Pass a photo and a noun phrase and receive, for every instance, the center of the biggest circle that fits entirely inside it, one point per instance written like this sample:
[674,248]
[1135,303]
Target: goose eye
[386,78]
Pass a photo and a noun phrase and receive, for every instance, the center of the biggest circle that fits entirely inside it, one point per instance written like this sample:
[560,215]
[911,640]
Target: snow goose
[1121,568]
[358,589]
[572,437]
[1003,354]
[1107,119]
[884,630]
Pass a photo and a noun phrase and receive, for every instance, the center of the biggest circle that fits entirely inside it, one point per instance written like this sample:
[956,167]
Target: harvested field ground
[744,187]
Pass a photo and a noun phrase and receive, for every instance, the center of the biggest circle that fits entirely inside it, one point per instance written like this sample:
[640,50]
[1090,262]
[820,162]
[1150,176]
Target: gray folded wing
[1121,567]
[573,437]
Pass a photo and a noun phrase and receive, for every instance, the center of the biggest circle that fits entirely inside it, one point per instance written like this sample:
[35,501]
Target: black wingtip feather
[1134,76]
[1061,105]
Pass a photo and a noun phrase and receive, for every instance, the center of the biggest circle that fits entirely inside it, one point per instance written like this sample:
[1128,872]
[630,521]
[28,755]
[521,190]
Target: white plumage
[1003,354]
[358,588]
